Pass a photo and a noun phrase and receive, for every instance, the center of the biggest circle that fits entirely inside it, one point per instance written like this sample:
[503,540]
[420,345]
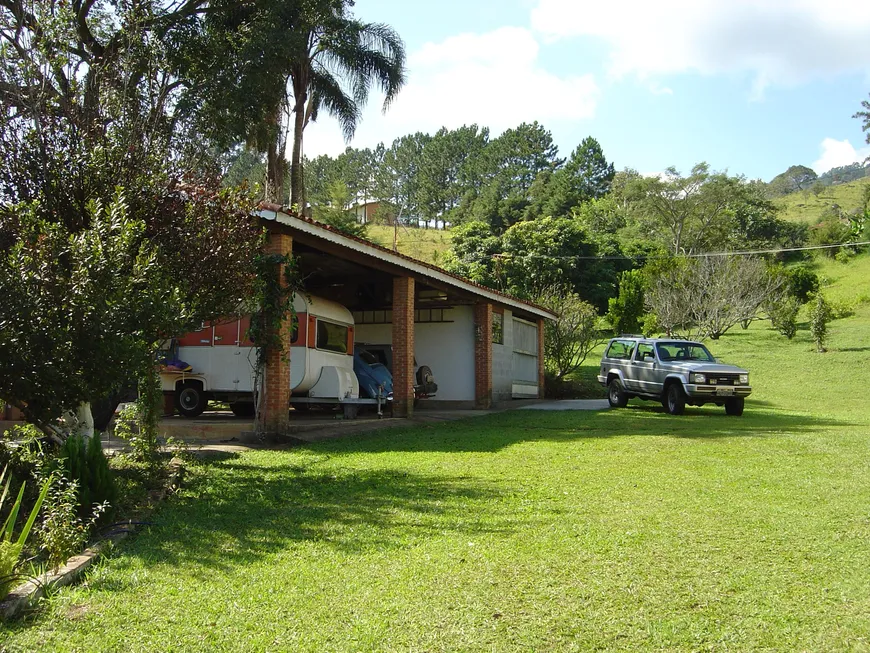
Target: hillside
[804,206]
[427,245]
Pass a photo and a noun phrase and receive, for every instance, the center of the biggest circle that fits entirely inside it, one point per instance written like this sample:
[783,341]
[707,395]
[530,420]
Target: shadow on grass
[237,513]
[495,432]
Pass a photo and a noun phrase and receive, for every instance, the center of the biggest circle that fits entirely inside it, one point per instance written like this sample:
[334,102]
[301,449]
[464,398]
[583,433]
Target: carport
[483,346]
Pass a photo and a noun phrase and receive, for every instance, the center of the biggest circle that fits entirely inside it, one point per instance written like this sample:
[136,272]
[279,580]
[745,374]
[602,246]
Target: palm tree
[338,61]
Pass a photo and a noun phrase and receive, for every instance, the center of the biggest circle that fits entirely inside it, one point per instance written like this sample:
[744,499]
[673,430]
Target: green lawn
[626,529]
[429,245]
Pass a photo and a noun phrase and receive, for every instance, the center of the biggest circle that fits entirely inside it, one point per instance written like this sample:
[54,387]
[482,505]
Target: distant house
[366,210]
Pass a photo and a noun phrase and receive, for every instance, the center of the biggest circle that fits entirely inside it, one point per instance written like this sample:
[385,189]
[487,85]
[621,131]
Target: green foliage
[10,548]
[802,282]
[783,315]
[335,213]
[831,231]
[794,179]
[586,176]
[625,311]
[65,526]
[81,461]
[820,315]
[572,335]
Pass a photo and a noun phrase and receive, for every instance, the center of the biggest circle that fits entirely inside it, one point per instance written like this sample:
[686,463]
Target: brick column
[483,356]
[403,346]
[541,333]
[275,406]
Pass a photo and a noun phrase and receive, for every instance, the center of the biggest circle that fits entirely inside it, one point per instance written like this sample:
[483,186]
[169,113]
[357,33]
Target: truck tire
[734,406]
[675,399]
[616,395]
[190,399]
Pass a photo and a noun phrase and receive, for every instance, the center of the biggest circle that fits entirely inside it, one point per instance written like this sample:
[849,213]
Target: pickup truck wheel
[616,396]
[675,399]
[734,406]
[190,400]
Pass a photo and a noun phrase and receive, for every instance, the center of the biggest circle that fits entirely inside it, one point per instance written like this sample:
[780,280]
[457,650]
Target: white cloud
[780,42]
[838,153]
[493,79]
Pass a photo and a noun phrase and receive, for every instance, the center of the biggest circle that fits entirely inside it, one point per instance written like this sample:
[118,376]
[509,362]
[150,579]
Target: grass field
[524,531]
[427,245]
[807,207]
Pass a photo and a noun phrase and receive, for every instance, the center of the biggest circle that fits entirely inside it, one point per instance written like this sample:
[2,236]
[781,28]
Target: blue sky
[750,86]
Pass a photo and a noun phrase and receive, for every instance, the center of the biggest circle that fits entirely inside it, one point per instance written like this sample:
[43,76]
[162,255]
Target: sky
[749,86]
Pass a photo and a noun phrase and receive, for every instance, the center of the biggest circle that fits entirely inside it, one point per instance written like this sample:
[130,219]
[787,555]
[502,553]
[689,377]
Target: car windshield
[683,351]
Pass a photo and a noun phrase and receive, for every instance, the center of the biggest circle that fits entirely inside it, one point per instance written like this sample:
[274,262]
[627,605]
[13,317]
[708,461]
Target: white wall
[446,347]
[502,361]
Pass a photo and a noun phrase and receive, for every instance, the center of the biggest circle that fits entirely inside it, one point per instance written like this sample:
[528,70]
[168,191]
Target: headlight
[744,379]
[699,378]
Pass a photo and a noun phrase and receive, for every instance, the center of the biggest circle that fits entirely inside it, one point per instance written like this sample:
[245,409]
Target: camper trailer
[221,362]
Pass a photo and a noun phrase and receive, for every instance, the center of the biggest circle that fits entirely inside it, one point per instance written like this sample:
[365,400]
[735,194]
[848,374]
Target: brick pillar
[275,407]
[541,333]
[403,346]
[483,356]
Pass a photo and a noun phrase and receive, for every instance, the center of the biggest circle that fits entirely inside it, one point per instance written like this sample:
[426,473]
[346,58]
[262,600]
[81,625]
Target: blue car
[371,374]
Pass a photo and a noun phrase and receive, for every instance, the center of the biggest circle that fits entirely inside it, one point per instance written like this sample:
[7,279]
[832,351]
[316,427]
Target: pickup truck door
[646,370]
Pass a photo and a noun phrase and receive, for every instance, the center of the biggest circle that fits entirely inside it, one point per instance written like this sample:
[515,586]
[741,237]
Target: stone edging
[33,590]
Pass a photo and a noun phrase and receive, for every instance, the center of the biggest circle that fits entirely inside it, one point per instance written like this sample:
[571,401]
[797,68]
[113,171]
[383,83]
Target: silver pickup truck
[674,372]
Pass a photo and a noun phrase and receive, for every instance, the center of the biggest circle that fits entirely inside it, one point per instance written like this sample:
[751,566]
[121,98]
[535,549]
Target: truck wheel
[734,406]
[675,399]
[616,396]
[190,400]
[242,408]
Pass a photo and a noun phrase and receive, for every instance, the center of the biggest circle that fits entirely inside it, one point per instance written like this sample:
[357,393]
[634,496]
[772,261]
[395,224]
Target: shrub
[783,316]
[830,232]
[626,311]
[82,461]
[802,282]
[63,532]
[10,550]
[820,315]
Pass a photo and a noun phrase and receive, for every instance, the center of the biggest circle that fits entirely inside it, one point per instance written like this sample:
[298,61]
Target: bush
[82,461]
[626,311]
[561,388]
[783,316]
[830,232]
[802,282]
[820,315]
[63,532]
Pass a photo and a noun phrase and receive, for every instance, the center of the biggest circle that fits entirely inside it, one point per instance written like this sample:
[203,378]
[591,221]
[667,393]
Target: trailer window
[331,337]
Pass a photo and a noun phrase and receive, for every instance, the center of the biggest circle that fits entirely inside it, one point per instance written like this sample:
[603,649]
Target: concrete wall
[502,361]
[446,347]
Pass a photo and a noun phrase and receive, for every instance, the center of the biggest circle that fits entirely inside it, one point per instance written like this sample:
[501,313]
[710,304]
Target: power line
[639,257]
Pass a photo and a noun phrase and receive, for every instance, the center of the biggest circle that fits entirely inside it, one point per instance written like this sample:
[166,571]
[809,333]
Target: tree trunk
[297,183]
[276,166]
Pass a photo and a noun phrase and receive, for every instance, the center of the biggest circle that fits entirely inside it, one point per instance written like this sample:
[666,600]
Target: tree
[572,335]
[690,213]
[113,230]
[335,212]
[864,117]
[586,176]
[448,169]
[706,296]
[397,181]
[820,315]
[794,179]
[264,69]
[626,310]
[336,62]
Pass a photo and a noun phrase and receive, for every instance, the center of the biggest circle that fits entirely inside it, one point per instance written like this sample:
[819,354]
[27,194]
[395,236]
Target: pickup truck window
[684,351]
[620,349]
[645,353]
